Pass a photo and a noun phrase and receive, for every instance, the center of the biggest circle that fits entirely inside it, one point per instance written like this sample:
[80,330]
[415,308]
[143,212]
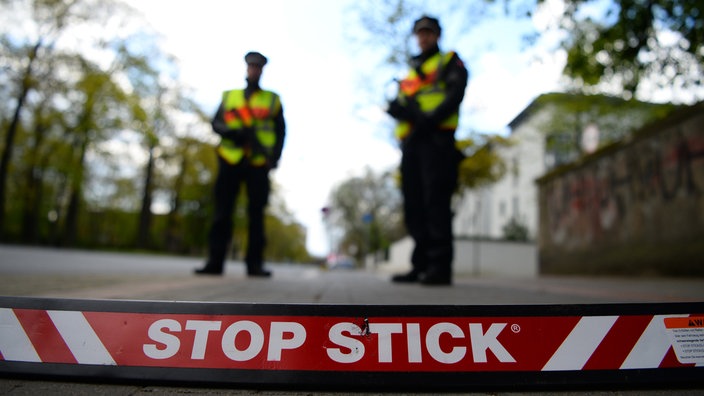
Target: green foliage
[482,163]
[633,41]
[74,172]
[569,115]
[616,46]
[367,211]
[516,231]
[612,46]
[285,241]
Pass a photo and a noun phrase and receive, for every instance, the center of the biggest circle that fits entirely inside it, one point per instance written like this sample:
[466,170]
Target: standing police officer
[251,124]
[427,111]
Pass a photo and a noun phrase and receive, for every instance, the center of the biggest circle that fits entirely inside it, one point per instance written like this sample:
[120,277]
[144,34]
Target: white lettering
[481,342]
[277,343]
[202,328]
[255,345]
[384,331]
[414,352]
[432,342]
[444,342]
[356,347]
[170,342]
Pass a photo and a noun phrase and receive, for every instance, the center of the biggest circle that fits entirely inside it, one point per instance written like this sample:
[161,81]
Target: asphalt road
[53,273]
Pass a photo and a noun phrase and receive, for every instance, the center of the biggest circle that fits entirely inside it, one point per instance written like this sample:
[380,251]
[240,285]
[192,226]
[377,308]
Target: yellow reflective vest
[429,92]
[258,112]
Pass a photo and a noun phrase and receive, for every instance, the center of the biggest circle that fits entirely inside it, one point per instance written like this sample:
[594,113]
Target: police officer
[427,112]
[251,125]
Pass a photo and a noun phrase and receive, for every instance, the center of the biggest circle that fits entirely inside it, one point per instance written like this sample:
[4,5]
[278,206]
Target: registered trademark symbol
[515,328]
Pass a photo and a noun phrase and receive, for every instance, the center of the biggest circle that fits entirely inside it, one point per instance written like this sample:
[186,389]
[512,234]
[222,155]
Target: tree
[50,20]
[570,115]
[286,238]
[368,211]
[96,120]
[25,86]
[482,163]
[155,99]
[98,131]
[37,144]
[625,47]
[631,43]
[515,230]
[70,103]
[188,170]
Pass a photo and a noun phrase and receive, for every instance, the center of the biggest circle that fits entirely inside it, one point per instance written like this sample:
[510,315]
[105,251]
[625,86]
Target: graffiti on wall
[630,194]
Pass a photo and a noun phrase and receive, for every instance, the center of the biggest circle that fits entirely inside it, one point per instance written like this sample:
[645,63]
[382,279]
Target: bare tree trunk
[70,236]
[12,132]
[30,211]
[172,238]
[33,180]
[145,215]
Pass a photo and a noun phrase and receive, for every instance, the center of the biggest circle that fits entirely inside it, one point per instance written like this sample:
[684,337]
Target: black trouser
[227,188]
[429,170]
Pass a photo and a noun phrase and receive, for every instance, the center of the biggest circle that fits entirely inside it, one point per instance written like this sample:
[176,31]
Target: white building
[545,135]
[485,211]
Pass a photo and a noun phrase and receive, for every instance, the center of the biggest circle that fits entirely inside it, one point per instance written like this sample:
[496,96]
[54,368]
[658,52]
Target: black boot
[259,273]
[208,269]
[410,277]
[434,277]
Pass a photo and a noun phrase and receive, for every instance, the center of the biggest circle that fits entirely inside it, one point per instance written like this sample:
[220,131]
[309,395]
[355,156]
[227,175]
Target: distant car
[339,261]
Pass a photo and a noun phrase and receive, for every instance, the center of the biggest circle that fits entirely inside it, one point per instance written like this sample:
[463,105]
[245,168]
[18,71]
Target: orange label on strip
[687,335]
[684,323]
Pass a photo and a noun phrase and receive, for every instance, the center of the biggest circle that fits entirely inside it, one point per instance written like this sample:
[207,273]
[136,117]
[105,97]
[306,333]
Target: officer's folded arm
[399,111]
[239,135]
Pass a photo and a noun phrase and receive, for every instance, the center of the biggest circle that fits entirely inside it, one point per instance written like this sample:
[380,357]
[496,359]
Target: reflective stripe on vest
[429,92]
[258,112]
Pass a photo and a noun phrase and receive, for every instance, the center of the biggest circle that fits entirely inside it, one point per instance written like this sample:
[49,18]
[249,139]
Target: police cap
[426,22]
[255,58]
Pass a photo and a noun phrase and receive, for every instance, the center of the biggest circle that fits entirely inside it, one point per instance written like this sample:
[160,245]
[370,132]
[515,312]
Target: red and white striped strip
[324,343]
[581,343]
[649,351]
[73,330]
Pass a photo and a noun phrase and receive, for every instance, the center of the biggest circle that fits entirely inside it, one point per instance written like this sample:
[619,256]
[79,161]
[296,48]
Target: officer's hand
[422,122]
[248,133]
[236,135]
[398,111]
[229,134]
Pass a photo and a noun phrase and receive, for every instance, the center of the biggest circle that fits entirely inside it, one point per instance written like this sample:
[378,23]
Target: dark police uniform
[427,110]
[251,125]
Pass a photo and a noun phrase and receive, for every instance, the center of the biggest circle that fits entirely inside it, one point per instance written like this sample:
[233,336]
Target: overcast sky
[312,65]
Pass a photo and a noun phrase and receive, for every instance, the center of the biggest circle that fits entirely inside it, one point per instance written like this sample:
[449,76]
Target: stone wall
[635,207]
